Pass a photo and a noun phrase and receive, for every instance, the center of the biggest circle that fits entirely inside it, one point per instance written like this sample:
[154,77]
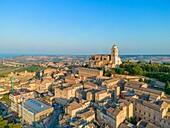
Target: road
[55,117]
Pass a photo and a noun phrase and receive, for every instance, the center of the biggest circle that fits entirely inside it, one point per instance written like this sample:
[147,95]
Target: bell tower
[114,55]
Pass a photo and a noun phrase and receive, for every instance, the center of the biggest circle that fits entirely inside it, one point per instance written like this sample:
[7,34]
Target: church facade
[106,60]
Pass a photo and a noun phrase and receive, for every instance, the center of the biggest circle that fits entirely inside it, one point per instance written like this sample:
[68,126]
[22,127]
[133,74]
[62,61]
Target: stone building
[89,85]
[102,95]
[142,88]
[146,124]
[111,83]
[75,107]
[17,97]
[34,110]
[113,116]
[87,72]
[72,80]
[116,93]
[87,114]
[90,125]
[101,60]
[67,92]
[156,112]
[149,104]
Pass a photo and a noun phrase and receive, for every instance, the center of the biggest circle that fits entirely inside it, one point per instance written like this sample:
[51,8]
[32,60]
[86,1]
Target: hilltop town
[102,92]
[29,59]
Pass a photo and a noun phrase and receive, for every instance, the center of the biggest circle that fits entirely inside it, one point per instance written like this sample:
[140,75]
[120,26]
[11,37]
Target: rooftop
[134,84]
[157,105]
[74,106]
[19,92]
[151,90]
[113,111]
[145,124]
[90,84]
[35,106]
[102,92]
[87,113]
[112,80]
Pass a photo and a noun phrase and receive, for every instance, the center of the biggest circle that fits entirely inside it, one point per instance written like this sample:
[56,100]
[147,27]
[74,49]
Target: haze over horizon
[84,27]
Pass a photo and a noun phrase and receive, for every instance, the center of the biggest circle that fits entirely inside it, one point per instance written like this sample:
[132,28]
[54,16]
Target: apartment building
[67,92]
[87,72]
[155,112]
[75,107]
[89,85]
[87,114]
[114,115]
[34,110]
[17,97]
[102,95]
[111,83]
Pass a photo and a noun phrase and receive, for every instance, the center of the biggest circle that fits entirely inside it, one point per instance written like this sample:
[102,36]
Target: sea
[14,55]
[7,55]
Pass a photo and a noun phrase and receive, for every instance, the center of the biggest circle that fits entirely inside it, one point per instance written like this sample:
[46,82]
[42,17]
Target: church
[106,60]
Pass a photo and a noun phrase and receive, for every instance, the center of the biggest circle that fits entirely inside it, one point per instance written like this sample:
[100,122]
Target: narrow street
[55,117]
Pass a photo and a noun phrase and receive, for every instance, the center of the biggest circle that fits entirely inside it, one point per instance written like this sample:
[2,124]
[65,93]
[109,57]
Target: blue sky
[84,26]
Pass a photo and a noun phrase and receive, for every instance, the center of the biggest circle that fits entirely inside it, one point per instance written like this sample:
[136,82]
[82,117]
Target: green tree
[107,73]
[137,70]
[3,123]
[167,87]
[152,70]
[98,68]
[36,77]
[141,80]
[6,99]
[119,70]
[17,125]
[132,120]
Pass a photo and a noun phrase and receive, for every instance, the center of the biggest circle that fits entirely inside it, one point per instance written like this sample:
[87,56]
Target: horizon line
[20,54]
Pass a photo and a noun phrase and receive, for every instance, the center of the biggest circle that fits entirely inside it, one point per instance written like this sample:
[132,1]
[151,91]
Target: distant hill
[82,58]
